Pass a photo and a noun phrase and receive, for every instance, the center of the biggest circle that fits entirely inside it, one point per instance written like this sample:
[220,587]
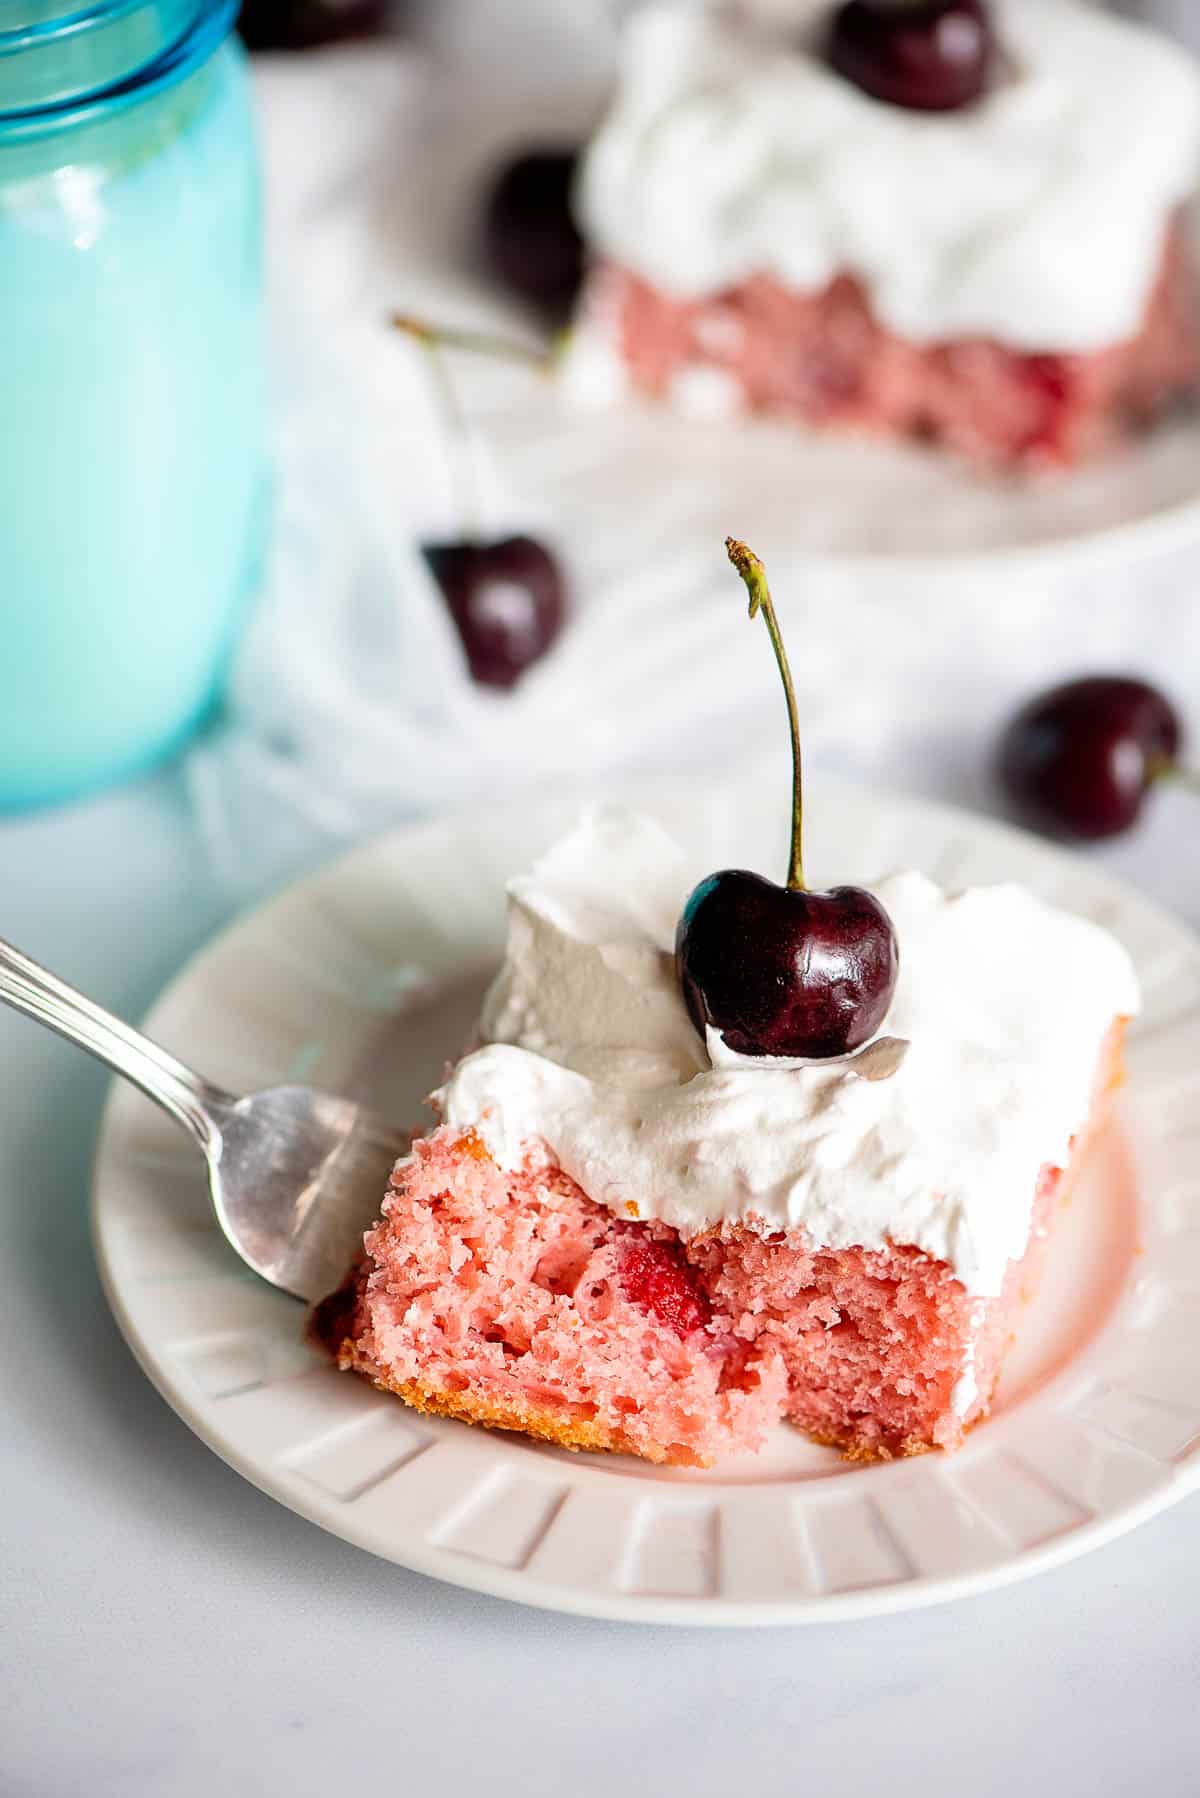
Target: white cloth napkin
[350,705]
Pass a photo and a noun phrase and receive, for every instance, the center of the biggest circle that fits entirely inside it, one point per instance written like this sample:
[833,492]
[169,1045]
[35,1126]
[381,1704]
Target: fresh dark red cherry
[781,970]
[1079,759]
[928,55]
[530,236]
[508,602]
[507,596]
[304,24]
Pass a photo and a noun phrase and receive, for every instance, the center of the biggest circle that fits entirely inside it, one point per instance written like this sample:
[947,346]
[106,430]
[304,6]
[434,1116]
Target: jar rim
[70,24]
[169,62]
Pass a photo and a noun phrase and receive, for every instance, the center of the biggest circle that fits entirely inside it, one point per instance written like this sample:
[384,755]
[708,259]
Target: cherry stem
[476,343]
[435,340]
[457,423]
[1163,767]
[754,576]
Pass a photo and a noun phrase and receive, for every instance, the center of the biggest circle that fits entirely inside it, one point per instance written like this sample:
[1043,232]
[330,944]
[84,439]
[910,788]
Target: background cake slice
[1009,279]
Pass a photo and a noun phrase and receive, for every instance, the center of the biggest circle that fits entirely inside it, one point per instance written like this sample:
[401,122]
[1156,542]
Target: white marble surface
[167,1632]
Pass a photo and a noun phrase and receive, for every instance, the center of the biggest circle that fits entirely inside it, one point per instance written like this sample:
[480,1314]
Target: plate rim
[520,1587]
[518,1584]
[1170,528]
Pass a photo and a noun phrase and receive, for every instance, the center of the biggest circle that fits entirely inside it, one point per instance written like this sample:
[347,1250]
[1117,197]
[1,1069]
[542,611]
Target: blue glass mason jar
[131,432]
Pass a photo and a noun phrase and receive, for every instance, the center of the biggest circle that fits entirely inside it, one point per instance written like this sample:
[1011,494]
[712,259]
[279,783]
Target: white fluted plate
[364,978]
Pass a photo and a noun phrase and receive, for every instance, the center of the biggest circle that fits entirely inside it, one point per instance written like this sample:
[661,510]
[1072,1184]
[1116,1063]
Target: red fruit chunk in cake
[658,1282]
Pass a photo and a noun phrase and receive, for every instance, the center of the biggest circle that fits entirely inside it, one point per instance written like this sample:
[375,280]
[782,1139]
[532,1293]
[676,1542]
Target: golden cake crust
[579,1434]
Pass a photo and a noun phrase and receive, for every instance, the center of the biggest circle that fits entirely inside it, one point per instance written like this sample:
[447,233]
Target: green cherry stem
[476,343]
[463,466]
[754,576]
[435,341]
[1164,768]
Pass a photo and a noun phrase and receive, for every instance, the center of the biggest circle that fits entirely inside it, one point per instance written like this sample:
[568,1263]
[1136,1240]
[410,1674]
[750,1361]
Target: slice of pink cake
[514,1300]
[1006,277]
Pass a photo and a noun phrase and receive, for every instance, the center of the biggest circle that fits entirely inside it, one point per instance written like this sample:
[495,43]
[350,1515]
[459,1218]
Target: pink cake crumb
[824,358]
[515,1301]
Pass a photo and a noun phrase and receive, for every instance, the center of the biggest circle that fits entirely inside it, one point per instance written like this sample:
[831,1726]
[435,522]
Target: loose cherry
[304,24]
[1079,759]
[506,596]
[927,55]
[530,235]
[783,971]
[507,601]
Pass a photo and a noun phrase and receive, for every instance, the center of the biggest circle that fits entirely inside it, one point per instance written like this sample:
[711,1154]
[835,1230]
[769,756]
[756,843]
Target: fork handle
[190,1100]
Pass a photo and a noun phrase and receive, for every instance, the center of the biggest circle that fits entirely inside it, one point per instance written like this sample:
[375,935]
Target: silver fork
[295,1175]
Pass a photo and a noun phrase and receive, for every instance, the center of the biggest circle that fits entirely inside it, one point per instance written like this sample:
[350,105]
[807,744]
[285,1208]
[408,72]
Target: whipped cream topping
[1035,217]
[934,1135]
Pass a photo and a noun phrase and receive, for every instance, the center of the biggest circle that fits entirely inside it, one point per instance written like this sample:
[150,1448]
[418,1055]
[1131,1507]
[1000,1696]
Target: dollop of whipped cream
[1035,217]
[933,1135]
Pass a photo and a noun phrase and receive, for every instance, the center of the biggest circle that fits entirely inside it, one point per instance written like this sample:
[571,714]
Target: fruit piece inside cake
[625,1235]
[958,221]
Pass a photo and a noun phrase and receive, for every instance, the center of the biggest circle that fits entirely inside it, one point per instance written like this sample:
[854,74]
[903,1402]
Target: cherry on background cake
[734,1153]
[959,221]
